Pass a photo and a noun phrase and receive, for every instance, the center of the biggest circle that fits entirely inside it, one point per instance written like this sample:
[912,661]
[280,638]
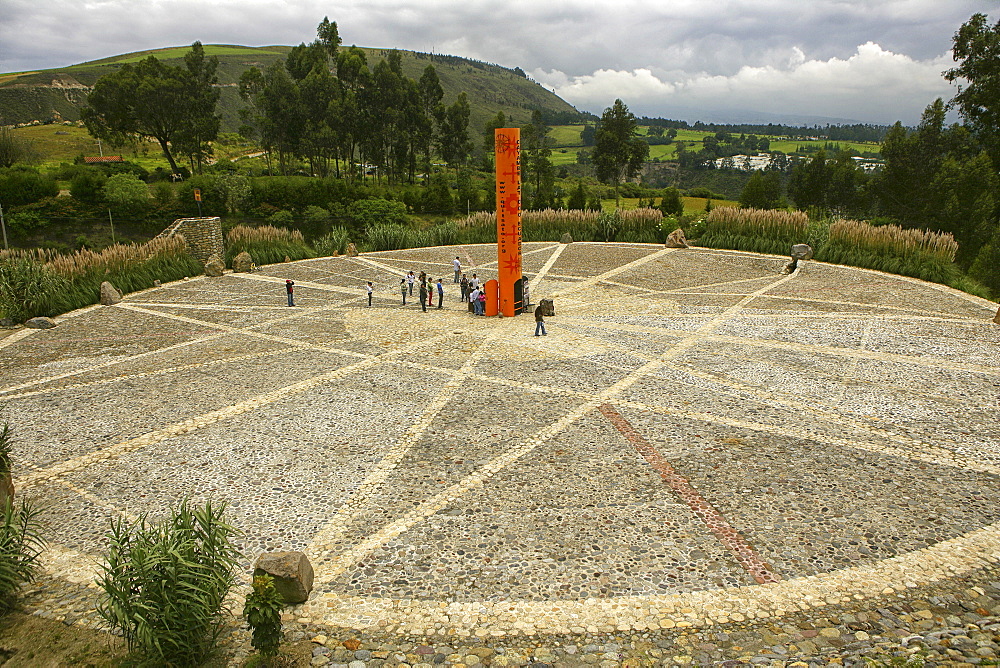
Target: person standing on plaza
[430,292]
[464,285]
[458,268]
[289,289]
[482,301]
[474,283]
[540,320]
[423,296]
[440,288]
[402,288]
[410,279]
[370,289]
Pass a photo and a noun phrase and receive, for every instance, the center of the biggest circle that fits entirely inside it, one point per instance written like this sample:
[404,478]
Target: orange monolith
[508,160]
[492,289]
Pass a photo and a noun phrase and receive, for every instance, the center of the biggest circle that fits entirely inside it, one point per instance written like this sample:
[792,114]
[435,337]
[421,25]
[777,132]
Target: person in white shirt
[370,289]
[410,280]
[458,268]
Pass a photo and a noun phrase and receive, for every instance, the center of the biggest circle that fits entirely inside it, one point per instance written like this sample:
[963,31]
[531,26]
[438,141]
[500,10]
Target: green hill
[57,94]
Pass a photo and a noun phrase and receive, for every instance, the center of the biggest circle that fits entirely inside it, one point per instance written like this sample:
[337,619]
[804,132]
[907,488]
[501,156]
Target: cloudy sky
[868,60]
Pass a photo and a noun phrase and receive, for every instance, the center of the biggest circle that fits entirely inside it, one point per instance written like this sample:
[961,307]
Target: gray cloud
[647,52]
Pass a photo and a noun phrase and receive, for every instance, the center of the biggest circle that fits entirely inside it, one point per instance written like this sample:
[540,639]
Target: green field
[566,144]
[57,144]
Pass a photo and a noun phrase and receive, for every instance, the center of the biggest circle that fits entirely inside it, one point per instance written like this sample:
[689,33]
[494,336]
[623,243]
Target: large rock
[214,266]
[243,263]
[352,250]
[567,238]
[676,239]
[802,252]
[292,573]
[40,323]
[996,318]
[109,294]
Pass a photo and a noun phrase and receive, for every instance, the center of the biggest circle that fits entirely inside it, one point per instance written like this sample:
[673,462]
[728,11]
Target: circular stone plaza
[699,440]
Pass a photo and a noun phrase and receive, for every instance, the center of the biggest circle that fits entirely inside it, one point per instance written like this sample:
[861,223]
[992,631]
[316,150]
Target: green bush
[21,543]
[367,213]
[127,193]
[87,185]
[335,241]
[24,223]
[263,612]
[27,287]
[267,244]
[23,185]
[164,584]
[391,237]
[281,219]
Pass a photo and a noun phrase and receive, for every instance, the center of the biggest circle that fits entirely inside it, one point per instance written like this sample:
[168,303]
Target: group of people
[471,291]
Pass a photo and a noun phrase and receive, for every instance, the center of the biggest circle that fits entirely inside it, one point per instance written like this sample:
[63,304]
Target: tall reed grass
[43,282]
[266,244]
[919,253]
[755,230]
[634,225]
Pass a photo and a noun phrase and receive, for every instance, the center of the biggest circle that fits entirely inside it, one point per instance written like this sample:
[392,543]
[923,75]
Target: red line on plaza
[724,531]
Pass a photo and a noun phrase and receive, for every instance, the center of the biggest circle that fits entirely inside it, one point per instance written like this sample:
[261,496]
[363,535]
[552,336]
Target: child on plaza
[370,289]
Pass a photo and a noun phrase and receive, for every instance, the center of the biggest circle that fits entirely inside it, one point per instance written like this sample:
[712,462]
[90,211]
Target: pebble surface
[704,462]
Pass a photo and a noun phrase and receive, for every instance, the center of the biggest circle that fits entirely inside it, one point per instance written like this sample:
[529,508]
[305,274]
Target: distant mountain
[59,93]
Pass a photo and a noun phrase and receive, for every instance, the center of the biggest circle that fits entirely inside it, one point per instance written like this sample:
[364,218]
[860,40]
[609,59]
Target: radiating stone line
[730,538]
[533,283]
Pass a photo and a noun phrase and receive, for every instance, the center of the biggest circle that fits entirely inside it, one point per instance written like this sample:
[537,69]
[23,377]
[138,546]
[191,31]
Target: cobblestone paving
[700,448]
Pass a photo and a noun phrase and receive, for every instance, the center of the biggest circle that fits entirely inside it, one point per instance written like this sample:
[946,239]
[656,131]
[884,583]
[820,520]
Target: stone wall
[203,236]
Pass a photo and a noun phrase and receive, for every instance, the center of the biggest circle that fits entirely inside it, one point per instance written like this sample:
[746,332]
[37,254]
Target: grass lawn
[179,52]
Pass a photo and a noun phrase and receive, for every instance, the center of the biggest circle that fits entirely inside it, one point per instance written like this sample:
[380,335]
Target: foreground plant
[263,613]
[164,584]
[21,543]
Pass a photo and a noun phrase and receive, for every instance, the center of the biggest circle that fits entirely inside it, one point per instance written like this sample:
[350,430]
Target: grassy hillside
[57,94]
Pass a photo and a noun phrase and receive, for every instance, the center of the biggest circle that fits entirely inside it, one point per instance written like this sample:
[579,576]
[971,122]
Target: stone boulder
[288,259]
[109,294]
[243,263]
[676,239]
[156,283]
[802,252]
[7,323]
[40,323]
[292,573]
[214,266]
[567,238]
[996,318]
[352,250]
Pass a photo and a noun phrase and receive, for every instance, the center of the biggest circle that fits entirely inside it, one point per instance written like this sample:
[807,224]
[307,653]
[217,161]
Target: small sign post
[197,198]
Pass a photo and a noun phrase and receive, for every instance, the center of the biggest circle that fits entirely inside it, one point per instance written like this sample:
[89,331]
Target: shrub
[335,241]
[367,213]
[45,282]
[263,612]
[755,230]
[23,185]
[919,253]
[634,226]
[21,543]
[266,244]
[164,584]
[88,186]
[126,192]
[27,287]
[281,219]
[24,223]
[391,237]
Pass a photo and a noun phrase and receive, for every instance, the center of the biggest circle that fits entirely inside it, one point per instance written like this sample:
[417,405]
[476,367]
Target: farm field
[57,144]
